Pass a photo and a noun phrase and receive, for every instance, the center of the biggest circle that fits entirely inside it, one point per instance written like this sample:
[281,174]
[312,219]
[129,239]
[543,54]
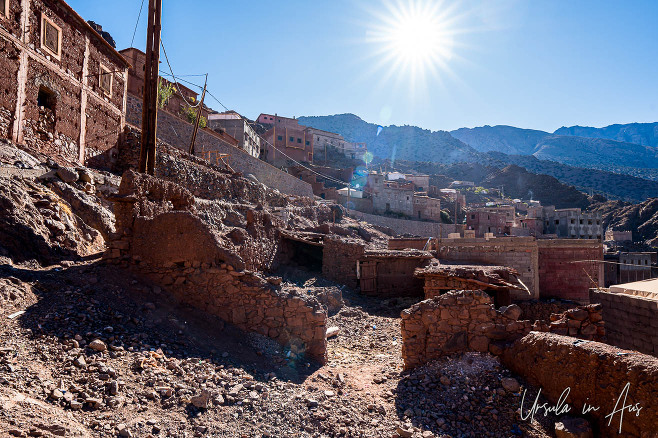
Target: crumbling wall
[596,375]
[178,133]
[519,253]
[161,234]
[631,320]
[339,260]
[460,321]
[568,268]
[402,226]
[456,322]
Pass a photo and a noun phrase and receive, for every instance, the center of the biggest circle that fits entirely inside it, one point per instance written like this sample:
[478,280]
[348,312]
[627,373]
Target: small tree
[165,91]
[189,114]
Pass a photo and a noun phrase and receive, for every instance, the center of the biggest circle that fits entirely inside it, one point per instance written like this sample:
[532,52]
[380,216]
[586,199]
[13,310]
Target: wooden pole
[150,97]
[198,117]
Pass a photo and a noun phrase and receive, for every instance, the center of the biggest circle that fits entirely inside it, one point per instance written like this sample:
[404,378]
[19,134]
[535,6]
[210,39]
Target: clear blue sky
[532,64]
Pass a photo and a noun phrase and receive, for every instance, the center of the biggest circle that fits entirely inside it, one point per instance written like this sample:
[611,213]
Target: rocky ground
[91,350]
[100,353]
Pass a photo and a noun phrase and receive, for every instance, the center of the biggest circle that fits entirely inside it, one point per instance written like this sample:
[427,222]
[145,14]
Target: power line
[138,16]
[176,80]
[335,180]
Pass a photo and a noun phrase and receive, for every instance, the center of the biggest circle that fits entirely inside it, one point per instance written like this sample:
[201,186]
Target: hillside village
[272,278]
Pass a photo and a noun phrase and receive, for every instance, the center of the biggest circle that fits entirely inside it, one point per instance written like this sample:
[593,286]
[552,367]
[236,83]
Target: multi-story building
[285,141]
[635,266]
[572,223]
[618,235]
[64,86]
[237,127]
[427,208]
[496,220]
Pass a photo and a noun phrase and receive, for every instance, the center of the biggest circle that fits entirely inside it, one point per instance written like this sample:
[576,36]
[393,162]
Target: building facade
[237,127]
[285,141]
[64,85]
[572,223]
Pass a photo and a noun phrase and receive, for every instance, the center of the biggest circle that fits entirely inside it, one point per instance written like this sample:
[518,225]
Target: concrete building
[237,127]
[618,236]
[572,223]
[635,266]
[64,86]
[285,140]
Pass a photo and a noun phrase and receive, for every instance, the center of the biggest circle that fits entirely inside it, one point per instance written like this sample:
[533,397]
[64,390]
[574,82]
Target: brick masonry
[519,253]
[177,132]
[631,320]
[568,268]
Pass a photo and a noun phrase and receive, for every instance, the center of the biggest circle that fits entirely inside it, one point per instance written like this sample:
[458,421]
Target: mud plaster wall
[595,373]
[339,260]
[402,226]
[160,236]
[519,253]
[177,132]
[631,320]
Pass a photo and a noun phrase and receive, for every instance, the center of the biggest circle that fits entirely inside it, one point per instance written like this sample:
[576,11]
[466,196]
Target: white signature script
[562,407]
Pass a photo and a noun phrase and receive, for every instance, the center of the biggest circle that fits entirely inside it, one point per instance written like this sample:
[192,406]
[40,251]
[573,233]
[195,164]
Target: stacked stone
[456,322]
[340,256]
[584,322]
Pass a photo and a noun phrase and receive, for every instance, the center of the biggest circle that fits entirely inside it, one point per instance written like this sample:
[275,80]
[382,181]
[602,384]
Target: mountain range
[618,161]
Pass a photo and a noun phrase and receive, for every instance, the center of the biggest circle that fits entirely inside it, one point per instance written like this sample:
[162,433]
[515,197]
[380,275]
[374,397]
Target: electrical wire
[329,178]
[138,16]
[176,80]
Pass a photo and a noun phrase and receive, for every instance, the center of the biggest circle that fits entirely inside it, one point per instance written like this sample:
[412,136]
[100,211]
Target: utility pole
[198,116]
[150,98]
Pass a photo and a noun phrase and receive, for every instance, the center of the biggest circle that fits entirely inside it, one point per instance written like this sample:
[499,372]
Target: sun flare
[414,38]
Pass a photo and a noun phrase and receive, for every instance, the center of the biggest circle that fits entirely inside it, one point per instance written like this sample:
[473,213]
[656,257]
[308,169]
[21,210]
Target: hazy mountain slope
[610,184]
[641,219]
[501,138]
[597,153]
[397,142]
[517,182]
[645,134]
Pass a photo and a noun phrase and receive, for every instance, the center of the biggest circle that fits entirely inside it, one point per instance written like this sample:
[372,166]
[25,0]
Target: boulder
[573,428]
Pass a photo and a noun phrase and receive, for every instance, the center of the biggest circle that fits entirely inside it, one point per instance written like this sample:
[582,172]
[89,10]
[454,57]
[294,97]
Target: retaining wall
[177,132]
[631,320]
[402,226]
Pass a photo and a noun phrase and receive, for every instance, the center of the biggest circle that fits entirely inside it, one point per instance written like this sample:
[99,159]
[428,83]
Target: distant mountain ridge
[645,134]
[617,169]
[393,142]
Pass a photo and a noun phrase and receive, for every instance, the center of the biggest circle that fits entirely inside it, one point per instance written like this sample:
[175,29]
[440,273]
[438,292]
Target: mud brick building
[63,85]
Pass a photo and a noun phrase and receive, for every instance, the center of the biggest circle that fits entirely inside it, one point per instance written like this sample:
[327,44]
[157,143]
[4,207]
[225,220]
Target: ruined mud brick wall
[391,273]
[77,120]
[402,226]
[178,133]
[456,322]
[339,260]
[582,322]
[596,374]
[161,235]
[563,269]
[631,320]
[519,253]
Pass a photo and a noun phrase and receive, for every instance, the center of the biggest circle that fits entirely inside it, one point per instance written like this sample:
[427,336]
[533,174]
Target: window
[573,221]
[308,143]
[299,140]
[51,37]
[292,139]
[279,137]
[581,222]
[105,80]
[598,222]
[557,221]
[46,98]
[589,222]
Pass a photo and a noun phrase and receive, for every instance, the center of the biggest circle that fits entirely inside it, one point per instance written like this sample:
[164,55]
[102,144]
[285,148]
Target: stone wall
[339,260]
[403,226]
[456,322]
[631,320]
[595,374]
[161,235]
[519,253]
[177,132]
[565,269]
[460,321]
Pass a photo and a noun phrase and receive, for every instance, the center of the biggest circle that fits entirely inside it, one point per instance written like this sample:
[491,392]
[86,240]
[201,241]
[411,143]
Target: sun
[414,39]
